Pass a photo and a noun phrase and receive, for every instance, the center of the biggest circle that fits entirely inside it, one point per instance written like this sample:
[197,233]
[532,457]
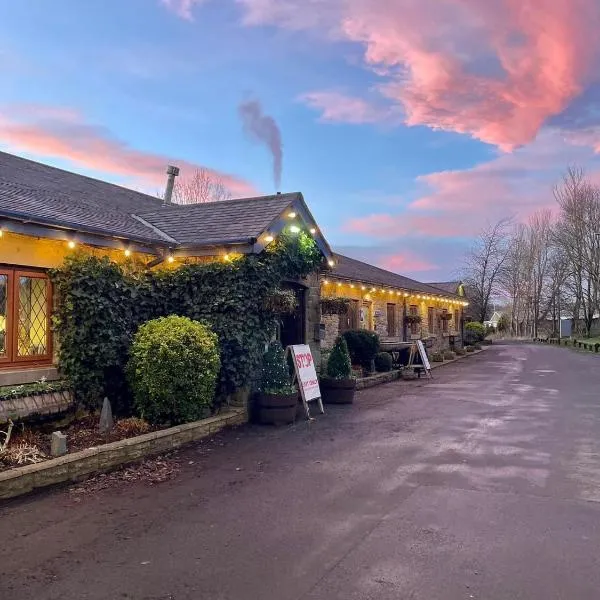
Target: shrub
[383,362]
[413,319]
[460,351]
[132,426]
[477,346]
[474,332]
[470,349]
[449,355]
[173,369]
[338,364]
[275,377]
[437,357]
[363,346]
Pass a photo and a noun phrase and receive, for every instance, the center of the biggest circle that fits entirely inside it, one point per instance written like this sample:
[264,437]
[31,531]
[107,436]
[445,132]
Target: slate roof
[52,196]
[448,286]
[229,221]
[356,270]
[46,195]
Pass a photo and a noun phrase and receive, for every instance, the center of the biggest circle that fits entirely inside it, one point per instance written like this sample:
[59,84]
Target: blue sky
[405,135]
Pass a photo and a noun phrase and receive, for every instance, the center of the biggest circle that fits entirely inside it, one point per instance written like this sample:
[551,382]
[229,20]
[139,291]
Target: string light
[71,244]
[269,239]
[313,230]
[326,281]
[339,284]
[226,258]
[352,285]
[127,252]
[1,232]
[330,263]
[363,288]
[171,258]
[294,229]
[292,215]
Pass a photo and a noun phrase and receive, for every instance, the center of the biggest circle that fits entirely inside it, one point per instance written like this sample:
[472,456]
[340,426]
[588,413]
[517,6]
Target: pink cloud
[459,203]
[61,133]
[338,107]
[183,8]
[405,262]
[494,69]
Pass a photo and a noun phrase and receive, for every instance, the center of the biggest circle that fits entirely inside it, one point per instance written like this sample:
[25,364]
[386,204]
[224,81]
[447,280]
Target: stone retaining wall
[75,466]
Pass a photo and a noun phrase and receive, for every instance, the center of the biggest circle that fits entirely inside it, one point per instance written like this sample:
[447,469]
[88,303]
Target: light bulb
[294,229]
[292,215]
[127,252]
[171,258]
[331,263]
[313,230]
[269,239]
[72,244]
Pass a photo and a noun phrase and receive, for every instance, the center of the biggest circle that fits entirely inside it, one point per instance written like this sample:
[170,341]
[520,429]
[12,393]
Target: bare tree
[577,236]
[484,266]
[202,186]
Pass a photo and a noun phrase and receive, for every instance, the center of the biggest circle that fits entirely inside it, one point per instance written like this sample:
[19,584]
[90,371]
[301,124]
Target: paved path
[484,483]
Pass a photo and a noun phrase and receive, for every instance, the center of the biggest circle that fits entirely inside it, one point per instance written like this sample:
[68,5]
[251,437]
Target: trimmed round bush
[338,364]
[449,355]
[173,369]
[438,357]
[470,349]
[363,345]
[460,351]
[383,362]
[478,347]
[474,332]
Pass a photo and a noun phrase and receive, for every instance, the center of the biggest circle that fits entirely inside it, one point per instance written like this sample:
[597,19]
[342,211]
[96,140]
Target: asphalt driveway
[483,483]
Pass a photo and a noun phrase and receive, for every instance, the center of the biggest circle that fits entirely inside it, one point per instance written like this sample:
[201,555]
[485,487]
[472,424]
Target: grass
[10,392]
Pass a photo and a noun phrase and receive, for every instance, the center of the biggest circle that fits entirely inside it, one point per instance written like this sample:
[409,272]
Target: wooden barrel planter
[338,391]
[277,409]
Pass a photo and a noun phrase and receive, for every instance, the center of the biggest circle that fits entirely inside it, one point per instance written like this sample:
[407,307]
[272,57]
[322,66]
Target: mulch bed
[81,434]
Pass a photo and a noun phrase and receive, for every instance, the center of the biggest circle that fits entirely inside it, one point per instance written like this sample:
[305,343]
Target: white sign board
[423,354]
[306,375]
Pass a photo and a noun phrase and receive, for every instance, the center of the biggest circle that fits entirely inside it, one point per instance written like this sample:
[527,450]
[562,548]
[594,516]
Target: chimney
[172,172]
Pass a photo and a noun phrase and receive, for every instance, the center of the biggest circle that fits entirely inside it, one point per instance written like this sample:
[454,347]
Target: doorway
[292,330]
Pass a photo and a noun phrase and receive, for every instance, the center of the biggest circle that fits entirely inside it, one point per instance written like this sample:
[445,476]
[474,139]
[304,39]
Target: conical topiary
[339,365]
[275,372]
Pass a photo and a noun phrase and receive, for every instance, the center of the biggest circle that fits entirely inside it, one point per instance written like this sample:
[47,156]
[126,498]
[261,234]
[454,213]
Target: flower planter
[41,404]
[277,409]
[338,391]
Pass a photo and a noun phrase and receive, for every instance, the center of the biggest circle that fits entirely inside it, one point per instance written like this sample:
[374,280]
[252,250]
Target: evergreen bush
[275,377]
[173,370]
[363,345]
[383,362]
[438,357]
[474,332]
[339,365]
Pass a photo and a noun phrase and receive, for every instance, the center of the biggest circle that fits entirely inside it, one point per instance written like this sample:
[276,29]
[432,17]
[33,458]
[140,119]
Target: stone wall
[332,330]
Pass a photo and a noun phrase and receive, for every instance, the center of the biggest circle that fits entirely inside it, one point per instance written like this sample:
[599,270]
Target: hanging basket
[281,302]
[334,306]
[446,316]
[413,319]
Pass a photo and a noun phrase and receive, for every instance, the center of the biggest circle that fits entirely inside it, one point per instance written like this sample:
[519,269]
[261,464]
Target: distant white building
[494,320]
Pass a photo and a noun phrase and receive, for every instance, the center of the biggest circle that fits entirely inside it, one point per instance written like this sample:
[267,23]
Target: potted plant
[410,321]
[338,386]
[278,398]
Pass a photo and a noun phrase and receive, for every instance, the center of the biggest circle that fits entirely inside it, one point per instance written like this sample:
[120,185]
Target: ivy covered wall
[101,304]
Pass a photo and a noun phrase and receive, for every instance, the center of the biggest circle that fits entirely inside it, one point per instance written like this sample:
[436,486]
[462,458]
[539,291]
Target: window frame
[11,358]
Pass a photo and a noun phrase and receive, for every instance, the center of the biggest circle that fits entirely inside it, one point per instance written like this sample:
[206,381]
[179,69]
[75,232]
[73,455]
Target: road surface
[483,483]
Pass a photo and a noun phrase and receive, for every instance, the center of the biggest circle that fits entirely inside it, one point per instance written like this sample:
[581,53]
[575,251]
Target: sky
[408,125]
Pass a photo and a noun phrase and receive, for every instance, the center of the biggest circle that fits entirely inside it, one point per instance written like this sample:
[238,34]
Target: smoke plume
[264,129]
